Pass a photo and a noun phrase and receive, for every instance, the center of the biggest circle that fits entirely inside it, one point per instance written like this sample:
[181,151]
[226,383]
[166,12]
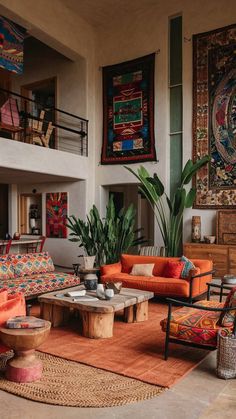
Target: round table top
[25,332]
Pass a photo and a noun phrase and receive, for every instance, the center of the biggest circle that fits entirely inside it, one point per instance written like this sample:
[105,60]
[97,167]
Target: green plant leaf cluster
[169,213]
[106,238]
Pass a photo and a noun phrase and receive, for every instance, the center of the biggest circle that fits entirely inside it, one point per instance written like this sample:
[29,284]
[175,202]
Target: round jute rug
[68,383]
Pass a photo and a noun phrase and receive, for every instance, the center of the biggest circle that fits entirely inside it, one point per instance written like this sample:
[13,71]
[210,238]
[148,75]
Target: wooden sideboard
[222,255]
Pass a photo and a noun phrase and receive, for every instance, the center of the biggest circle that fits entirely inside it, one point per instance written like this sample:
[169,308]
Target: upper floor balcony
[31,136]
[25,120]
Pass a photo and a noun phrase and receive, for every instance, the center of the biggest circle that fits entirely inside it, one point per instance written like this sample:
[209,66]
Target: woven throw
[68,383]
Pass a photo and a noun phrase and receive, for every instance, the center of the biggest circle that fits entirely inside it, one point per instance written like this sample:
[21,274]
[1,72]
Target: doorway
[44,93]
[3,210]
[30,214]
[126,194]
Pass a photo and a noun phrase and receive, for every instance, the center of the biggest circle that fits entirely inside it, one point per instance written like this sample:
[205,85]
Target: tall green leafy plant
[106,238]
[169,212]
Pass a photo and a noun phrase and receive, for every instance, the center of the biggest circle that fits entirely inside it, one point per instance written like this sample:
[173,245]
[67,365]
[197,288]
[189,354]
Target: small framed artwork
[56,215]
[226,227]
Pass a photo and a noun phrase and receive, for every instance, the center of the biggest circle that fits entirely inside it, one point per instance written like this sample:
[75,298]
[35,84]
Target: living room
[94,37]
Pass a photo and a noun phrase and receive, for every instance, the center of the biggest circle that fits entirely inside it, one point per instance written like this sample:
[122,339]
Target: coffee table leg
[129,314]
[57,315]
[97,325]
[142,311]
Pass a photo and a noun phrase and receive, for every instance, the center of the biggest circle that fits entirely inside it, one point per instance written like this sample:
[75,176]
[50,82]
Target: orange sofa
[189,288]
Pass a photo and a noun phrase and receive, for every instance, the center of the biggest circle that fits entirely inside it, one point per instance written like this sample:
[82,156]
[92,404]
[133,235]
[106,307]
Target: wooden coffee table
[97,316]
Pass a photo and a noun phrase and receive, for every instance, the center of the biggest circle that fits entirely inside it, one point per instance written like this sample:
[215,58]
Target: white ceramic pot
[100,291]
[89,262]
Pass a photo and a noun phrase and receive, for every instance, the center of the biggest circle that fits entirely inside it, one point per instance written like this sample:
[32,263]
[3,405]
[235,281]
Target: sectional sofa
[163,285]
[32,274]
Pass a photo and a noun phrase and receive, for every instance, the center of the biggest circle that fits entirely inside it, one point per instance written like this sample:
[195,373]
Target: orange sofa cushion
[13,306]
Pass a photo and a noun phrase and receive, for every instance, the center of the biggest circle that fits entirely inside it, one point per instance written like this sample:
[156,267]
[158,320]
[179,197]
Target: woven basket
[226,355]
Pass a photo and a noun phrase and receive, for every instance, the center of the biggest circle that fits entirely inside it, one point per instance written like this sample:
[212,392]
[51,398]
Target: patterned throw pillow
[227,318]
[144,269]
[32,263]
[188,266]
[6,268]
[173,269]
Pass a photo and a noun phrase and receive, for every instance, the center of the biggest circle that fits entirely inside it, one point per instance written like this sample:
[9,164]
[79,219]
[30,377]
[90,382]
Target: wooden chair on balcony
[5,247]
[36,247]
[10,118]
[37,135]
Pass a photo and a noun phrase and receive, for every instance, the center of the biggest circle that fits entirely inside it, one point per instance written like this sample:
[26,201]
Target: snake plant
[106,238]
[169,212]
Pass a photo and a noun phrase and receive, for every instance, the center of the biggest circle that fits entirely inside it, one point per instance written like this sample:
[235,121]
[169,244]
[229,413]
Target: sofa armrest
[199,279]
[113,268]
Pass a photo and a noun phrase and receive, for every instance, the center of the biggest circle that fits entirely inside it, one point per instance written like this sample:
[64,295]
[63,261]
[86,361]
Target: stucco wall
[144,33]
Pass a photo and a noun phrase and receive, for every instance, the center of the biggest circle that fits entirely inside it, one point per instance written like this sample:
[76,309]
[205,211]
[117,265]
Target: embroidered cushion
[6,268]
[144,269]
[227,318]
[32,263]
[188,266]
[194,325]
[173,269]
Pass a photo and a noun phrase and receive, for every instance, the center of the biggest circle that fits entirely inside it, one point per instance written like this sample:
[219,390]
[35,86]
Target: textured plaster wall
[141,34]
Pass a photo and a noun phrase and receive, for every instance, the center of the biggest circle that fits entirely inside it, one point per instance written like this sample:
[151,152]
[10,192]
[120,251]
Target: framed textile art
[56,213]
[214,116]
[128,112]
[226,227]
[11,46]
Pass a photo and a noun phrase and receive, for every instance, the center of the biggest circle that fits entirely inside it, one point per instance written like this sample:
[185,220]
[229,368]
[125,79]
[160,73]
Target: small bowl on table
[210,239]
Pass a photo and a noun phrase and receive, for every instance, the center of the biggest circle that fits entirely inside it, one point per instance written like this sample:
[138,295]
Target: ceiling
[101,12]
[21,176]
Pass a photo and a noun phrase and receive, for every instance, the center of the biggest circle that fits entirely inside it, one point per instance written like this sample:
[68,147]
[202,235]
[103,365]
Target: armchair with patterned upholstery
[198,324]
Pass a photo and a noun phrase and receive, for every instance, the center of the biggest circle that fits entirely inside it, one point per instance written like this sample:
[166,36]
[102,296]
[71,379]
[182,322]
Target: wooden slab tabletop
[126,298]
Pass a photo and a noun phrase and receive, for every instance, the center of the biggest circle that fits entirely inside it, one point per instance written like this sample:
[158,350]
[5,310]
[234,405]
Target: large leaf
[196,166]
[190,198]
[179,201]
[155,181]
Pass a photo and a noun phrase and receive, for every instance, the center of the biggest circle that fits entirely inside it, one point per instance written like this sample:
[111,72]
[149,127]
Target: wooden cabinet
[223,256]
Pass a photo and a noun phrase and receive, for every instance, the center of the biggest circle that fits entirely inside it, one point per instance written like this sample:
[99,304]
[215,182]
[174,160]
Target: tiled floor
[199,395]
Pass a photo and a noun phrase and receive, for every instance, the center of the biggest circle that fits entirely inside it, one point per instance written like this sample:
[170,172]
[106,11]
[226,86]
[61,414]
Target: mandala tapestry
[56,213]
[11,46]
[214,116]
[128,112]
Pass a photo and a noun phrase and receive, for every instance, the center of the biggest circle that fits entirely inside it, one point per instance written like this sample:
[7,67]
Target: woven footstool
[24,367]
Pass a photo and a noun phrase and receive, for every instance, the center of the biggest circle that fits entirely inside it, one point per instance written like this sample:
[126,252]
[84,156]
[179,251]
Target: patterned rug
[68,383]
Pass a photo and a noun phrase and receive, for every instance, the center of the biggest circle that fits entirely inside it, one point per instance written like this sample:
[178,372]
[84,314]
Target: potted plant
[106,239]
[169,212]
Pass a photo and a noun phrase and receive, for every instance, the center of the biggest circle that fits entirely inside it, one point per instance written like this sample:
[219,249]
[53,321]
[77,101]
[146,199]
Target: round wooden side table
[24,367]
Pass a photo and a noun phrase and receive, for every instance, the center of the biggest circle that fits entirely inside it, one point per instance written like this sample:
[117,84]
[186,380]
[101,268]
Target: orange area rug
[136,349]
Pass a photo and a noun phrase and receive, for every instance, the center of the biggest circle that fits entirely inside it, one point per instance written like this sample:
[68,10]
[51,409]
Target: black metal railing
[28,121]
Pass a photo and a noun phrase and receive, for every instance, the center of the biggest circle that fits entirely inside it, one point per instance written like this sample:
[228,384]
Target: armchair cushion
[195,325]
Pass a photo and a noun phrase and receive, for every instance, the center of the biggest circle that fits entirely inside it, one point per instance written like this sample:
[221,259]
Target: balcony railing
[23,119]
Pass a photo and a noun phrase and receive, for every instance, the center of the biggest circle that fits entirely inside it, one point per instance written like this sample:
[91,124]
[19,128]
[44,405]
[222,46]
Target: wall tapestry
[56,213]
[128,112]
[11,46]
[214,116]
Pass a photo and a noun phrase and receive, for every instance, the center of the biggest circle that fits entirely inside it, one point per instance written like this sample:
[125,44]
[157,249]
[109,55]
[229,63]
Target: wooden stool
[24,367]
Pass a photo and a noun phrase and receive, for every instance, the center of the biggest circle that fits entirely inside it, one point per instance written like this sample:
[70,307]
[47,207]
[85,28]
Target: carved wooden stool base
[25,367]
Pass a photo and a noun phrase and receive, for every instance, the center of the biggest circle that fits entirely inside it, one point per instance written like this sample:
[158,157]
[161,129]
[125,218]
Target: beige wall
[145,33]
